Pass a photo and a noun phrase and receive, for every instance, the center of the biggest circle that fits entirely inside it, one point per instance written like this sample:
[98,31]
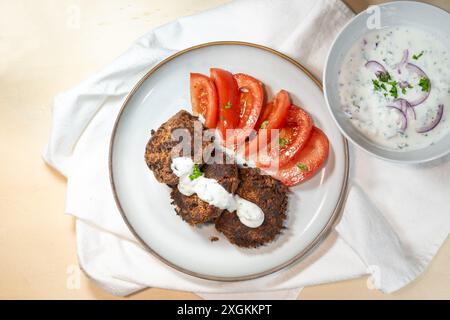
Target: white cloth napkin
[395,218]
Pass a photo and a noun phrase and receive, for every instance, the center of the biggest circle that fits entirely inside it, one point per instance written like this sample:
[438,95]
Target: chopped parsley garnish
[196,173]
[384,79]
[424,83]
[228,105]
[417,56]
[264,124]
[302,166]
[283,142]
[376,85]
[393,91]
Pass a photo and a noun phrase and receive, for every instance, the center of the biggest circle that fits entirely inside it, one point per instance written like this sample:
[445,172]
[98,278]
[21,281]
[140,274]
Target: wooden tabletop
[44,50]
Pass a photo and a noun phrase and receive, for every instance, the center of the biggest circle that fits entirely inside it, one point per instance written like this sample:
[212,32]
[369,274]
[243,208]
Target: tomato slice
[228,93]
[291,139]
[204,99]
[250,104]
[307,162]
[273,115]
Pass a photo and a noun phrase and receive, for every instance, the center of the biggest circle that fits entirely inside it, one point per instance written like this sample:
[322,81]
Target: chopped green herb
[302,166]
[394,91]
[417,56]
[264,124]
[196,173]
[424,83]
[376,85]
[404,90]
[392,83]
[228,105]
[282,142]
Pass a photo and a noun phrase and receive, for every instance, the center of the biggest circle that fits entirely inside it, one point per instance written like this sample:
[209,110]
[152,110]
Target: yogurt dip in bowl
[388,88]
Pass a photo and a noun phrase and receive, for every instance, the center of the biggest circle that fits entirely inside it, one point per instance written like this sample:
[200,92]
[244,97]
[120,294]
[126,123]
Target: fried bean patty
[159,149]
[192,209]
[270,195]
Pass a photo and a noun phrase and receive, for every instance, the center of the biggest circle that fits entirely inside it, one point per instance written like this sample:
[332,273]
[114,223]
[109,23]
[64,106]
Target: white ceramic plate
[407,13]
[145,203]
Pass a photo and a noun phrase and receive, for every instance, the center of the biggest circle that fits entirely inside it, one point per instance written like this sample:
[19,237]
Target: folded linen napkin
[395,218]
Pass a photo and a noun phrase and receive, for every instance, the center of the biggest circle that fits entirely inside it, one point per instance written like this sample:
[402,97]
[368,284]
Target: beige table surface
[44,50]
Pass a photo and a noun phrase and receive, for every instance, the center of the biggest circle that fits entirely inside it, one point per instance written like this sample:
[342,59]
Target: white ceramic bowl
[420,15]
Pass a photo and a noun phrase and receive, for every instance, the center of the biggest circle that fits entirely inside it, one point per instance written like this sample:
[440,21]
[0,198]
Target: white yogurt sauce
[367,107]
[211,191]
[249,213]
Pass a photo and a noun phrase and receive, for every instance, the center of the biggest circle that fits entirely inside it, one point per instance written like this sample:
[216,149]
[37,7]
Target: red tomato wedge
[292,138]
[228,93]
[250,104]
[273,115]
[307,162]
[204,98]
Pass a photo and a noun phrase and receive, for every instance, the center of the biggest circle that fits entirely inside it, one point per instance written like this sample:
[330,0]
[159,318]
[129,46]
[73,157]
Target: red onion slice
[403,118]
[413,111]
[415,69]
[403,84]
[404,106]
[421,99]
[376,68]
[400,65]
[435,121]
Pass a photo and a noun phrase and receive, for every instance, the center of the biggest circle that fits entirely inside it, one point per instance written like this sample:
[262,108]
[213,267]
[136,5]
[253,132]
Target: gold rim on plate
[301,255]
